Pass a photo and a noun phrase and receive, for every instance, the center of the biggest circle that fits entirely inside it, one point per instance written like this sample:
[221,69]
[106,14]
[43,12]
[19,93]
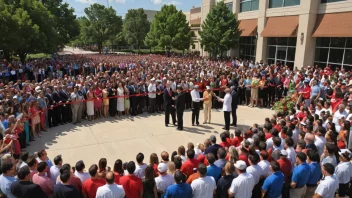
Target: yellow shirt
[207,96]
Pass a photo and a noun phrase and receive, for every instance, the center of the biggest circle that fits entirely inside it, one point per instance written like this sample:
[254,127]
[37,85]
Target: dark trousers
[51,118]
[195,112]
[152,102]
[227,119]
[180,119]
[65,113]
[271,96]
[141,104]
[265,98]
[170,110]
[188,100]
[22,139]
[241,95]
[343,189]
[256,192]
[134,103]
[58,113]
[248,96]
[286,189]
[234,116]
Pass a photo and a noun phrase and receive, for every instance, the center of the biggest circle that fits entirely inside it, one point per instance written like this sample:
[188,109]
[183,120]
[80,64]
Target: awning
[285,26]
[248,27]
[333,25]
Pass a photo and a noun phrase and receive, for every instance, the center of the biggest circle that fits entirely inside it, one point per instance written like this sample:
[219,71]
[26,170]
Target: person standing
[207,98]
[90,186]
[51,111]
[234,104]
[195,104]
[343,172]
[7,178]
[64,189]
[242,185]
[227,100]
[164,179]
[300,176]
[328,186]
[180,107]
[180,188]
[204,186]
[169,105]
[40,178]
[75,105]
[24,188]
[273,184]
[152,95]
[110,189]
[315,171]
[131,184]
[80,98]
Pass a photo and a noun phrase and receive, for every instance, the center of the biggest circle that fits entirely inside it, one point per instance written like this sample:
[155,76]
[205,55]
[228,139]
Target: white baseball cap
[162,167]
[283,152]
[241,165]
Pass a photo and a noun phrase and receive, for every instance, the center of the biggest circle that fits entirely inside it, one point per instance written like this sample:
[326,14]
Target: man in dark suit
[58,109]
[169,105]
[234,105]
[51,113]
[180,107]
[65,108]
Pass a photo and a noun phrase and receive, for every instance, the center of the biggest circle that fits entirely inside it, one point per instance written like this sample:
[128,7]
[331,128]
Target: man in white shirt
[152,95]
[164,180]
[242,185]
[226,108]
[195,104]
[341,112]
[328,186]
[256,171]
[55,170]
[291,153]
[80,173]
[264,164]
[204,186]
[344,171]
[140,167]
[110,189]
[320,139]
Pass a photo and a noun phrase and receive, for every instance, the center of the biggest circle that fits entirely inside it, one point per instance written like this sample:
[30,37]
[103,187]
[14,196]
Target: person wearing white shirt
[344,172]
[226,108]
[80,173]
[140,167]
[328,186]
[164,180]
[55,170]
[338,115]
[195,104]
[204,186]
[152,95]
[242,185]
[256,171]
[320,140]
[291,153]
[264,164]
[110,189]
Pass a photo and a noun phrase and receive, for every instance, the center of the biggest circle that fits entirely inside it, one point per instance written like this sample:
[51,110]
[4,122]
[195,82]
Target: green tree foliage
[169,29]
[100,25]
[135,27]
[220,30]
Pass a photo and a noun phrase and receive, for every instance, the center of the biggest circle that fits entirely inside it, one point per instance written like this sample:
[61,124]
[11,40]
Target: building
[293,32]
[194,19]
[150,14]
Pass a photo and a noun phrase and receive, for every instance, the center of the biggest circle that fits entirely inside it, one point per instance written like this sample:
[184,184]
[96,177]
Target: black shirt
[223,186]
[26,189]
[65,191]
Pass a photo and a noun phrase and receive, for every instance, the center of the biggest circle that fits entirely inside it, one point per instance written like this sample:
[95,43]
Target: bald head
[309,138]
[109,177]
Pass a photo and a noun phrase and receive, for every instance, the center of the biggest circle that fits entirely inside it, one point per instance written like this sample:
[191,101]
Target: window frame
[283,4]
[286,46]
[250,7]
[245,44]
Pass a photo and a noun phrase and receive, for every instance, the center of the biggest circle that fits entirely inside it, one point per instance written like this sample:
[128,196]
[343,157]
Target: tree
[100,24]
[29,28]
[135,27]
[66,24]
[169,29]
[219,31]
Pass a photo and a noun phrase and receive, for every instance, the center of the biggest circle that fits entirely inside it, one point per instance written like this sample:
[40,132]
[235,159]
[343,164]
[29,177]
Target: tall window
[248,45]
[230,6]
[282,50]
[283,3]
[330,1]
[249,5]
[336,52]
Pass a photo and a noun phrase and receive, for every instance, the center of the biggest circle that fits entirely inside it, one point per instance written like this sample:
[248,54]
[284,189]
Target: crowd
[299,152]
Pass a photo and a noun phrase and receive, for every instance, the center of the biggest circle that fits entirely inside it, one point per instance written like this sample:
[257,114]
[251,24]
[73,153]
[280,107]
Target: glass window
[272,51]
[330,1]
[291,51]
[290,64]
[349,43]
[275,3]
[245,6]
[291,2]
[338,42]
[321,54]
[248,50]
[281,53]
[323,42]
[335,55]
[271,61]
[229,6]
[292,41]
[255,5]
[242,47]
[348,57]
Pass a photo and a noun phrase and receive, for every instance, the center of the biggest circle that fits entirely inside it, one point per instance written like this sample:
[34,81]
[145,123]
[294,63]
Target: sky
[121,6]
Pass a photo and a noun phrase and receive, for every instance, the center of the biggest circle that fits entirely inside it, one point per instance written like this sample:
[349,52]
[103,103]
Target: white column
[261,41]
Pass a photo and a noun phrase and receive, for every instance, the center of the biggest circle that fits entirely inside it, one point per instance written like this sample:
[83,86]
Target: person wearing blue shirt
[7,178]
[315,172]
[180,189]
[300,176]
[212,169]
[273,184]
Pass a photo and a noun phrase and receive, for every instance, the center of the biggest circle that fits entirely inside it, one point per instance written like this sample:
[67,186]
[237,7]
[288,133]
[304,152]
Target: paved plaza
[124,137]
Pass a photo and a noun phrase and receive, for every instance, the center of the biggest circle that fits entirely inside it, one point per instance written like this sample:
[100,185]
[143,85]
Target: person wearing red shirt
[306,92]
[236,141]
[189,167]
[132,184]
[91,185]
[224,143]
[286,168]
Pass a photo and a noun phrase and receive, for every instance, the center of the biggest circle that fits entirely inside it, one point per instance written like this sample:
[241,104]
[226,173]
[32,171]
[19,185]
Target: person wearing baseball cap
[242,185]
[343,172]
[163,180]
[286,168]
